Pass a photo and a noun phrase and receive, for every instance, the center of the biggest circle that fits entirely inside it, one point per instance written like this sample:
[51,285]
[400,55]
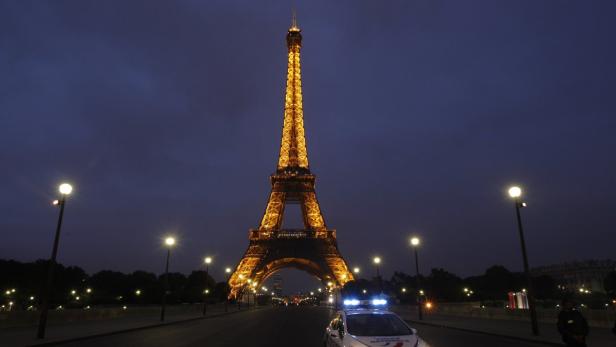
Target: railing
[294,234]
[255,234]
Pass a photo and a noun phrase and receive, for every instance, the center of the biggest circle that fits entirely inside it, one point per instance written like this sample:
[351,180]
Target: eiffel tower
[314,248]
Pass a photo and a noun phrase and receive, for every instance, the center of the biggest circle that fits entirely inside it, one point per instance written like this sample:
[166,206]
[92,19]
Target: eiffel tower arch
[314,248]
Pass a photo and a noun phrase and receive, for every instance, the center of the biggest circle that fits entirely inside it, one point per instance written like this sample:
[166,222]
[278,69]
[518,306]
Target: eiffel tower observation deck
[314,248]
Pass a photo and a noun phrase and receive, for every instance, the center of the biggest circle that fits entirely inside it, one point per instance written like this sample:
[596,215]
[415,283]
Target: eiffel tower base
[317,256]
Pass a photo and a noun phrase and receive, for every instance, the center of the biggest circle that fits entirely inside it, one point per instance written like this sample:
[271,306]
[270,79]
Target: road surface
[272,327]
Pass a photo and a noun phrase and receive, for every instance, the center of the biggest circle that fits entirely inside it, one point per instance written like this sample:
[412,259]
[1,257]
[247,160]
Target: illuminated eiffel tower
[314,248]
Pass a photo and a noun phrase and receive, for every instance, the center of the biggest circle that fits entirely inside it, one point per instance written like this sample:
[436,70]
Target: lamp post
[207,261]
[169,242]
[377,261]
[65,190]
[415,244]
[356,270]
[228,272]
[515,193]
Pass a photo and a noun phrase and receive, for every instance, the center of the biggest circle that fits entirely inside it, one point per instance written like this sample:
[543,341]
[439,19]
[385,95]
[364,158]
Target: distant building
[586,275]
[277,284]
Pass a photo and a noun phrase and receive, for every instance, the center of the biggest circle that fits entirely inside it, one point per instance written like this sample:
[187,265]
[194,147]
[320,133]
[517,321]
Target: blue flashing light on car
[364,303]
[379,302]
[351,302]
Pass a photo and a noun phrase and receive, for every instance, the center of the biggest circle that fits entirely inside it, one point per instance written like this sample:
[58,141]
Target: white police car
[361,325]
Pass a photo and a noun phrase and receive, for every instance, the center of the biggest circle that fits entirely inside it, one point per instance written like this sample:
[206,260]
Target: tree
[356,289]
[545,287]
[444,286]
[496,283]
[177,284]
[196,285]
[610,283]
[221,290]
[110,287]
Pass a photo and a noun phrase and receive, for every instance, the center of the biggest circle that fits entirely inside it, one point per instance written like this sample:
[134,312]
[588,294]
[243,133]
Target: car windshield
[376,325]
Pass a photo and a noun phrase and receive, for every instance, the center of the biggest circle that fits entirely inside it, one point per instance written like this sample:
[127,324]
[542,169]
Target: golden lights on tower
[293,151]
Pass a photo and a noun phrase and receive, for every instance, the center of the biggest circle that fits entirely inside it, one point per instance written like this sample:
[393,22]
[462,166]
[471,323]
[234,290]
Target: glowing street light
[414,241]
[65,190]
[138,292]
[415,244]
[169,243]
[88,290]
[515,193]
[207,261]
[356,270]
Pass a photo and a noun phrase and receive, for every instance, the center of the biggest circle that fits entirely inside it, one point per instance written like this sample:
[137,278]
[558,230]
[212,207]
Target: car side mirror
[414,331]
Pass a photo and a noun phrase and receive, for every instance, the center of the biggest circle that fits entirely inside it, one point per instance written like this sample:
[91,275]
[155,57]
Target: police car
[362,324]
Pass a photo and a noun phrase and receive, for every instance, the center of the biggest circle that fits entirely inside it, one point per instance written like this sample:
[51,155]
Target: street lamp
[377,261]
[207,261]
[415,244]
[169,243]
[65,190]
[356,270]
[228,272]
[515,193]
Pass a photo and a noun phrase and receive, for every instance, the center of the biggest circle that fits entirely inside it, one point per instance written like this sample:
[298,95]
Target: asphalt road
[271,327]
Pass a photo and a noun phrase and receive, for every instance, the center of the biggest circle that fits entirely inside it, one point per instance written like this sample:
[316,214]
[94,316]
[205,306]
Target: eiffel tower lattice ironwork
[313,249]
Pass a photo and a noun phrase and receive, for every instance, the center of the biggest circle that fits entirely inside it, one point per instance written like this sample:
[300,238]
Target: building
[579,275]
[277,284]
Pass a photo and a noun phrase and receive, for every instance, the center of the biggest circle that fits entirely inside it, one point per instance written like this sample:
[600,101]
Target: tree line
[490,288]
[21,283]
[73,287]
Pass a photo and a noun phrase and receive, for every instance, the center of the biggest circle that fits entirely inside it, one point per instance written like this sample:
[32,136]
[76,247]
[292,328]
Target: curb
[511,337]
[128,330]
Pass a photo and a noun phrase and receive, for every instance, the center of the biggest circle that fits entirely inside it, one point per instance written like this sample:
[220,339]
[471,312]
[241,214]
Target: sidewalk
[599,337]
[74,330]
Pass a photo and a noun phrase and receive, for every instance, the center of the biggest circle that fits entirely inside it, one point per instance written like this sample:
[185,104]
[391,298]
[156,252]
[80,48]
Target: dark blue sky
[166,116]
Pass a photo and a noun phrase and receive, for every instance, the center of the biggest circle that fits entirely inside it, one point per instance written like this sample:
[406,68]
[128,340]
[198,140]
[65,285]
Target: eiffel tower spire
[293,153]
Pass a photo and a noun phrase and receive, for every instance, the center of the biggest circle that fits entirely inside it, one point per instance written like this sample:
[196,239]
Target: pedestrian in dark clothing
[572,326]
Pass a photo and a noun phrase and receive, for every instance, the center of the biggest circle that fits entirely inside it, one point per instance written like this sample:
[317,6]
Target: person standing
[572,326]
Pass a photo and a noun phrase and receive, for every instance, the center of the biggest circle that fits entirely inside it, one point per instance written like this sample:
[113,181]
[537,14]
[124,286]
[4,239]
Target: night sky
[166,117]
